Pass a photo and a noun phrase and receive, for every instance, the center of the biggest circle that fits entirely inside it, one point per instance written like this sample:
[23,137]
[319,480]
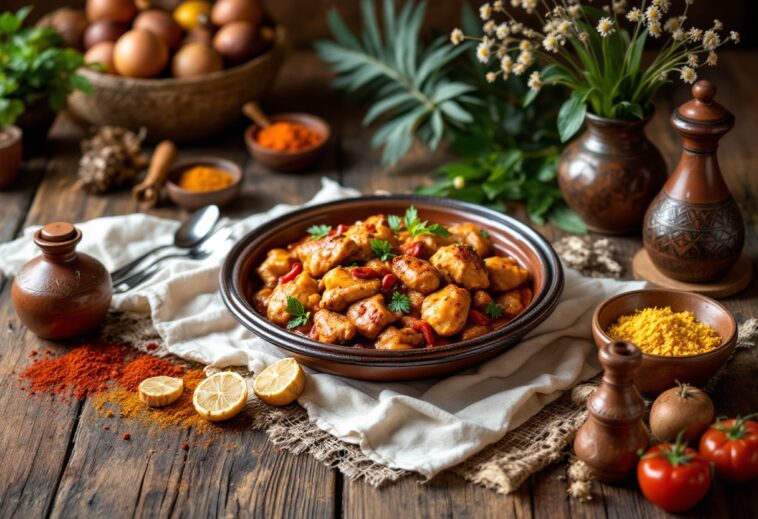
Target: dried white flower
[535,81]
[506,64]
[679,35]
[674,23]
[489,27]
[634,15]
[550,43]
[485,12]
[688,74]
[574,10]
[605,26]
[456,37]
[490,77]
[563,27]
[619,6]
[717,25]
[692,60]
[529,5]
[519,69]
[694,34]
[712,59]
[653,14]
[502,31]
[655,30]
[711,40]
[483,52]
[525,45]
[734,36]
[584,37]
[498,6]
[525,57]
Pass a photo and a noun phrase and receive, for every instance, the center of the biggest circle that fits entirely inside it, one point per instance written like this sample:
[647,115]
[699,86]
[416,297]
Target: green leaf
[493,310]
[571,115]
[567,220]
[395,222]
[484,233]
[411,217]
[382,249]
[299,316]
[399,303]
[319,231]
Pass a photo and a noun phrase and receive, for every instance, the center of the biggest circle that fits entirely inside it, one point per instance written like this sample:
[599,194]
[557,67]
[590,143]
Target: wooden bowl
[191,200]
[174,108]
[289,161]
[239,280]
[658,373]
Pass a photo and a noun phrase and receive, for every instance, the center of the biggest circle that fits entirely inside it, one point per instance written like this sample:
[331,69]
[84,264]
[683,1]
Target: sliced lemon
[280,383]
[160,391]
[221,396]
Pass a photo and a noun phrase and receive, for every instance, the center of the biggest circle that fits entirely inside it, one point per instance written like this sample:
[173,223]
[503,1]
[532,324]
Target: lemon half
[280,383]
[221,396]
[160,391]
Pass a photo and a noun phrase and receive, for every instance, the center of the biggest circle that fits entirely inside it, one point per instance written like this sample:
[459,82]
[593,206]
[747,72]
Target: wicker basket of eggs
[180,69]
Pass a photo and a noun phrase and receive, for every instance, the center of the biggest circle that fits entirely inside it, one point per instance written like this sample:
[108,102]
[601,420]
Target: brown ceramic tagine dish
[532,251]
[658,373]
[62,293]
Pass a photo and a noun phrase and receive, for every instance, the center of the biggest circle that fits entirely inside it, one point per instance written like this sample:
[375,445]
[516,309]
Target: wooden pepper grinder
[613,433]
[693,230]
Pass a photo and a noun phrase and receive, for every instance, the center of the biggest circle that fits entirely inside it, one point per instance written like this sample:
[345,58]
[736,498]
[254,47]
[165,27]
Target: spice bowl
[658,373]
[191,200]
[289,161]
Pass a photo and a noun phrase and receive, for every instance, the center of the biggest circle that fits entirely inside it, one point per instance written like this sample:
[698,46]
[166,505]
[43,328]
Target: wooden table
[57,459]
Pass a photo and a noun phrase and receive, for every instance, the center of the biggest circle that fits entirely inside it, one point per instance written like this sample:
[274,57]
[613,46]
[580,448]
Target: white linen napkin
[423,426]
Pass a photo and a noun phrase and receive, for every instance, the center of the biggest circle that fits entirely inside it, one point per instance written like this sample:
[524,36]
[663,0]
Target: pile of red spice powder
[146,366]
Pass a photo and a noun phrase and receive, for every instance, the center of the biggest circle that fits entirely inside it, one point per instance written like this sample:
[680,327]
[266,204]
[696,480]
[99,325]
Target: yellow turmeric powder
[288,136]
[202,179]
[660,331]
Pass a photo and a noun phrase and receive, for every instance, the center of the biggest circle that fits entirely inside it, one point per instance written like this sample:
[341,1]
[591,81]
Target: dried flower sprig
[589,51]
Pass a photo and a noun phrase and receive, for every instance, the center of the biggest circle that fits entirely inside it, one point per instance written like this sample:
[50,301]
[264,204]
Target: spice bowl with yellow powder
[197,182]
[292,142]
[683,336]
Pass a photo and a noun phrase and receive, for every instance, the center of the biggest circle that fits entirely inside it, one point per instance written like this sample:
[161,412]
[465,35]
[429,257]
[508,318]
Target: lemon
[191,14]
[280,383]
[221,396]
[160,391]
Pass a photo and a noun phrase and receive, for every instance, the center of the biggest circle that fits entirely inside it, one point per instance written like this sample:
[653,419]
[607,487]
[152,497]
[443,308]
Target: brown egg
[140,53]
[238,42]
[70,24]
[114,10]
[161,24]
[199,35]
[196,59]
[227,11]
[104,30]
[101,53]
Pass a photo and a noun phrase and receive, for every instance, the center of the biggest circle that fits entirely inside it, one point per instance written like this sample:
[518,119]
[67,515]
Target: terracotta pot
[611,173]
[11,150]
[694,230]
[62,293]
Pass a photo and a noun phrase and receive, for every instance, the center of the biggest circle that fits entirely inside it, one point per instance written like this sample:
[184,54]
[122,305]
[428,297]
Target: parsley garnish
[484,234]
[416,226]
[382,249]
[400,303]
[395,222]
[319,231]
[297,311]
[493,310]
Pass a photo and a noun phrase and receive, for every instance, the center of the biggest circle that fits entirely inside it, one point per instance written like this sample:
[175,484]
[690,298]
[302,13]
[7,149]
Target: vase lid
[703,109]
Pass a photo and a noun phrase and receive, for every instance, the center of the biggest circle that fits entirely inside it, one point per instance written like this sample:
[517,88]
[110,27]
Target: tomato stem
[737,430]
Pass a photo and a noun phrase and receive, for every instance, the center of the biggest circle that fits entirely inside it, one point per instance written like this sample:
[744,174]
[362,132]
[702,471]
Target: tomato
[732,446]
[388,282]
[365,273]
[674,477]
[478,318]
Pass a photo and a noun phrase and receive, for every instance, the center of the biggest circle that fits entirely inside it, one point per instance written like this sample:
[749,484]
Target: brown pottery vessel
[10,154]
[693,229]
[62,293]
[614,431]
[611,173]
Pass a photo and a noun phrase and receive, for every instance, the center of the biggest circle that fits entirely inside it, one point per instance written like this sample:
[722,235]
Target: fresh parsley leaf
[299,316]
[382,249]
[437,230]
[484,234]
[411,217]
[416,226]
[319,231]
[400,303]
[395,222]
[493,310]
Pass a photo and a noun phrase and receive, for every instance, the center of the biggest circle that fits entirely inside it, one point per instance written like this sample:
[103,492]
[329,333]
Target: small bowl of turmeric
[196,182]
[292,142]
[683,336]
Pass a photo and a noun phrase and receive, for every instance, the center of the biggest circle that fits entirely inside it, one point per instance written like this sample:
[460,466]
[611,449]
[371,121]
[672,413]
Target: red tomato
[732,446]
[673,476]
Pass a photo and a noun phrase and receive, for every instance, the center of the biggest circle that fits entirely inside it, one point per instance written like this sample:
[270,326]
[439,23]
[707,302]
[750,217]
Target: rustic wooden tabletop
[57,459]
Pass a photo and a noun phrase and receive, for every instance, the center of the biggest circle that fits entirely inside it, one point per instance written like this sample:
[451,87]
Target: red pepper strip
[365,273]
[341,228]
[296,269]
[427,331]
[388,282]
[371,227]
[478,318]
[415,249]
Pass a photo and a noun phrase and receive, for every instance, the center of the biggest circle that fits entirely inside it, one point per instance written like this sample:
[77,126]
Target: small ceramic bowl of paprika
[192,200]
[295,160]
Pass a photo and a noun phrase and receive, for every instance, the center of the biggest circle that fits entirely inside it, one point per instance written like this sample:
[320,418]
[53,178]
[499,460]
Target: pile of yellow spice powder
[660,331]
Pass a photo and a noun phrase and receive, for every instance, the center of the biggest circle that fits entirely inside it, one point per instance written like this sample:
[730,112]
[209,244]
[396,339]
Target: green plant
[587,50]
[33,66]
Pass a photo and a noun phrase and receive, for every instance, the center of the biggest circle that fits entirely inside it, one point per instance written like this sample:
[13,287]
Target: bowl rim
[725,341]
[286,116]
[207,160]
[543,305]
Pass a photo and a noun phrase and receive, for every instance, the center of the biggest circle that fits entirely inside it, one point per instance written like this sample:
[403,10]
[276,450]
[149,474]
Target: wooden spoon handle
[147,191]
[254,112]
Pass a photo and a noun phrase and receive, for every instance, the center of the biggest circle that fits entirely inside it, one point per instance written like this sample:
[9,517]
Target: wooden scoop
[146,193]
[254,112]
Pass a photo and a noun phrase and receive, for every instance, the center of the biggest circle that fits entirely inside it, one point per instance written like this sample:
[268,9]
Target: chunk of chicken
[341,289]
[416,274]
[399,339]
[373,228]
[504,273]
[322,255]
[370,316]
[470,234]
[417,300]
[476,330]
[480,300]
[447,310]
[383,267]
[431,243]
[303,288]
[511,302]
[459,264]
[277,263]
[261,298]
[332,328]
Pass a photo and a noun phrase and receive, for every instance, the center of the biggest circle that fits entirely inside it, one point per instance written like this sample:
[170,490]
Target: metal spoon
[194,230]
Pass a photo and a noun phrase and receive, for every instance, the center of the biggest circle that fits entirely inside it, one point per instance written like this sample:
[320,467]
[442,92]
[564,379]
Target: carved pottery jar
[693,229]
[62,293]
[611,173]
[614,431]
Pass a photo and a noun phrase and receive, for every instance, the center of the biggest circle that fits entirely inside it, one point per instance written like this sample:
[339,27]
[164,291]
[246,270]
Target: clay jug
[614,431]
[62,293]
[693,229]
